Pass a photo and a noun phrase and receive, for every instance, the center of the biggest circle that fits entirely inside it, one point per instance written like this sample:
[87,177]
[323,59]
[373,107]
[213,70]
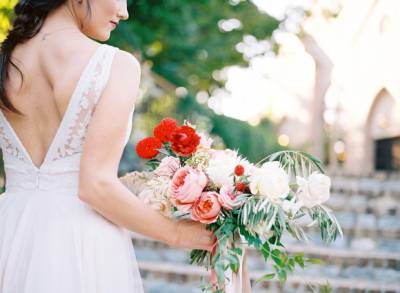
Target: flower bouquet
[244,204]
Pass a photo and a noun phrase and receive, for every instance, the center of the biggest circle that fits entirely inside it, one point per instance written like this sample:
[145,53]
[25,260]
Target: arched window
[384,131]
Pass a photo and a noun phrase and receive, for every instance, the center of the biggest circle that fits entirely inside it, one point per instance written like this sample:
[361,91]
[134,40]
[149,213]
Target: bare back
[51,70]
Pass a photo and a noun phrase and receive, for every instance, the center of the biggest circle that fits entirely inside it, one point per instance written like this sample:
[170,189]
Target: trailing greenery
[260,224]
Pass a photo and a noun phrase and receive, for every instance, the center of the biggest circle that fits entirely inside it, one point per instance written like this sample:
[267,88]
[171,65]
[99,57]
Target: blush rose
[186,187]
[207,208]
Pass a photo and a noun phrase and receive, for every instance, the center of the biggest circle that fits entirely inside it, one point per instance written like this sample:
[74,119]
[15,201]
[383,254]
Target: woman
[66,108]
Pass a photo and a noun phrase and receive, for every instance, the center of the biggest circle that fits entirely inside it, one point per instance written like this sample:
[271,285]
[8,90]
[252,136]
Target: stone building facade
[355,110]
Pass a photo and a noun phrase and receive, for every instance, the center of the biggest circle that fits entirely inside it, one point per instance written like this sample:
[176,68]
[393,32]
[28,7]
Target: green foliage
[325,288]
[261,223]
[328,224]
[6,14]
[183,39]
[284,263]
[254,142]
[295,162]
[183,42]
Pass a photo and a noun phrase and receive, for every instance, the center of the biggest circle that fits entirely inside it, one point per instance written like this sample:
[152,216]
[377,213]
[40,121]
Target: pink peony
[186,187]
[167,167]
[228,197]
[206,209]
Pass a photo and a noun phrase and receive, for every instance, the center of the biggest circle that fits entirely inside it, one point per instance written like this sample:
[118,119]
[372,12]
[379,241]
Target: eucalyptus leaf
[266,277]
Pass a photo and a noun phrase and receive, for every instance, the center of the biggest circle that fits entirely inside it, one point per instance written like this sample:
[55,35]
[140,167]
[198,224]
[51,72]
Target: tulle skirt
[55,243]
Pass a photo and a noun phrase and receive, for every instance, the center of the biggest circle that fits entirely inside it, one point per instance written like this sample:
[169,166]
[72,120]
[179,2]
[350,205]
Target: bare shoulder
[124,80]
[127,63]
[125,70]
[75,53]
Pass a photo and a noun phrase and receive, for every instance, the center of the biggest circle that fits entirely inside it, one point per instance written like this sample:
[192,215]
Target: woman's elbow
[92,188]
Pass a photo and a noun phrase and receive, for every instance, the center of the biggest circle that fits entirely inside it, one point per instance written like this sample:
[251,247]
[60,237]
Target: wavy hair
[29,17]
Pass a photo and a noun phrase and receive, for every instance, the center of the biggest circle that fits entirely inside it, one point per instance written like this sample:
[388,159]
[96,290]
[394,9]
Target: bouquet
[244,204]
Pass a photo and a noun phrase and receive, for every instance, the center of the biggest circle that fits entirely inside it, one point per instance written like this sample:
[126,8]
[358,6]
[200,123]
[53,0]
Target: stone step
[361,251]
[367,186]
[189,277]
[354,269]
[363,204]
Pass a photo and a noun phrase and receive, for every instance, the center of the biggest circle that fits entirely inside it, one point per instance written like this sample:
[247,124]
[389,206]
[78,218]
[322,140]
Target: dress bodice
[60,168]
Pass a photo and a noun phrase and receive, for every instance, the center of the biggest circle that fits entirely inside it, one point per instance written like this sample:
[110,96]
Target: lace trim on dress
[84,108]
[71,134]
[8,146]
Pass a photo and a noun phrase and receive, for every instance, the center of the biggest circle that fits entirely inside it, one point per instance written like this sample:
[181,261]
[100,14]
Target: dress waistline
[28,180]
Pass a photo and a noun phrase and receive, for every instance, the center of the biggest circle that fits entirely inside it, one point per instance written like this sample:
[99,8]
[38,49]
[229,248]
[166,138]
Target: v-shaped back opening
[84,73]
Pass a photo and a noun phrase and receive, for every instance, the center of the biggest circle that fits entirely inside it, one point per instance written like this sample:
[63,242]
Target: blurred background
[264,75]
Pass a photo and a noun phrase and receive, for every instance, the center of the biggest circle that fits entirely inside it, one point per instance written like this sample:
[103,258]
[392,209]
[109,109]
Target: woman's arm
[99,185]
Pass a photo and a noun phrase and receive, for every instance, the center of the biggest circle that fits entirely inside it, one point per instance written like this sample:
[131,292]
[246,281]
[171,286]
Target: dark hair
[29,17]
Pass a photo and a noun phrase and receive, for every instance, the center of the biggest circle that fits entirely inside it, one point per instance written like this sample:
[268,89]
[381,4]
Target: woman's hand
[192,235]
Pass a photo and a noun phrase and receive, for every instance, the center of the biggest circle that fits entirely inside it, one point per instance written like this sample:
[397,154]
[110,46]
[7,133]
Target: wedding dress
[51,241]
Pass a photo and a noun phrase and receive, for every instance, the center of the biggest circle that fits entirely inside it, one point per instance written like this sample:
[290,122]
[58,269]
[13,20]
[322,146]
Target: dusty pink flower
[186,187]
[228,197]
[167,167]
[205,141]
[207,208]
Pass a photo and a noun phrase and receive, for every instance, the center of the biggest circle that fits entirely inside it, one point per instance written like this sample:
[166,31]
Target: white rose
[221,167]
[315,190]
[270,180]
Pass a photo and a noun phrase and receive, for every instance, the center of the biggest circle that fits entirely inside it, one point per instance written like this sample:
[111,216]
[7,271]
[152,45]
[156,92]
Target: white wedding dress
[51,241]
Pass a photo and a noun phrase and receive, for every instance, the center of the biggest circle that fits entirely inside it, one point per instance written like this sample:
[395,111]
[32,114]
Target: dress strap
[88,93]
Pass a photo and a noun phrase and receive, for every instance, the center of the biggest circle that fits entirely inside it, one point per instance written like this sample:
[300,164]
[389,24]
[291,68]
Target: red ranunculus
[148,147]
[240,186]
[165,128]
[184,140]
[239,170]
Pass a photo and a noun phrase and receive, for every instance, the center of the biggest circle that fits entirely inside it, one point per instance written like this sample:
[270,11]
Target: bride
[66,108]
